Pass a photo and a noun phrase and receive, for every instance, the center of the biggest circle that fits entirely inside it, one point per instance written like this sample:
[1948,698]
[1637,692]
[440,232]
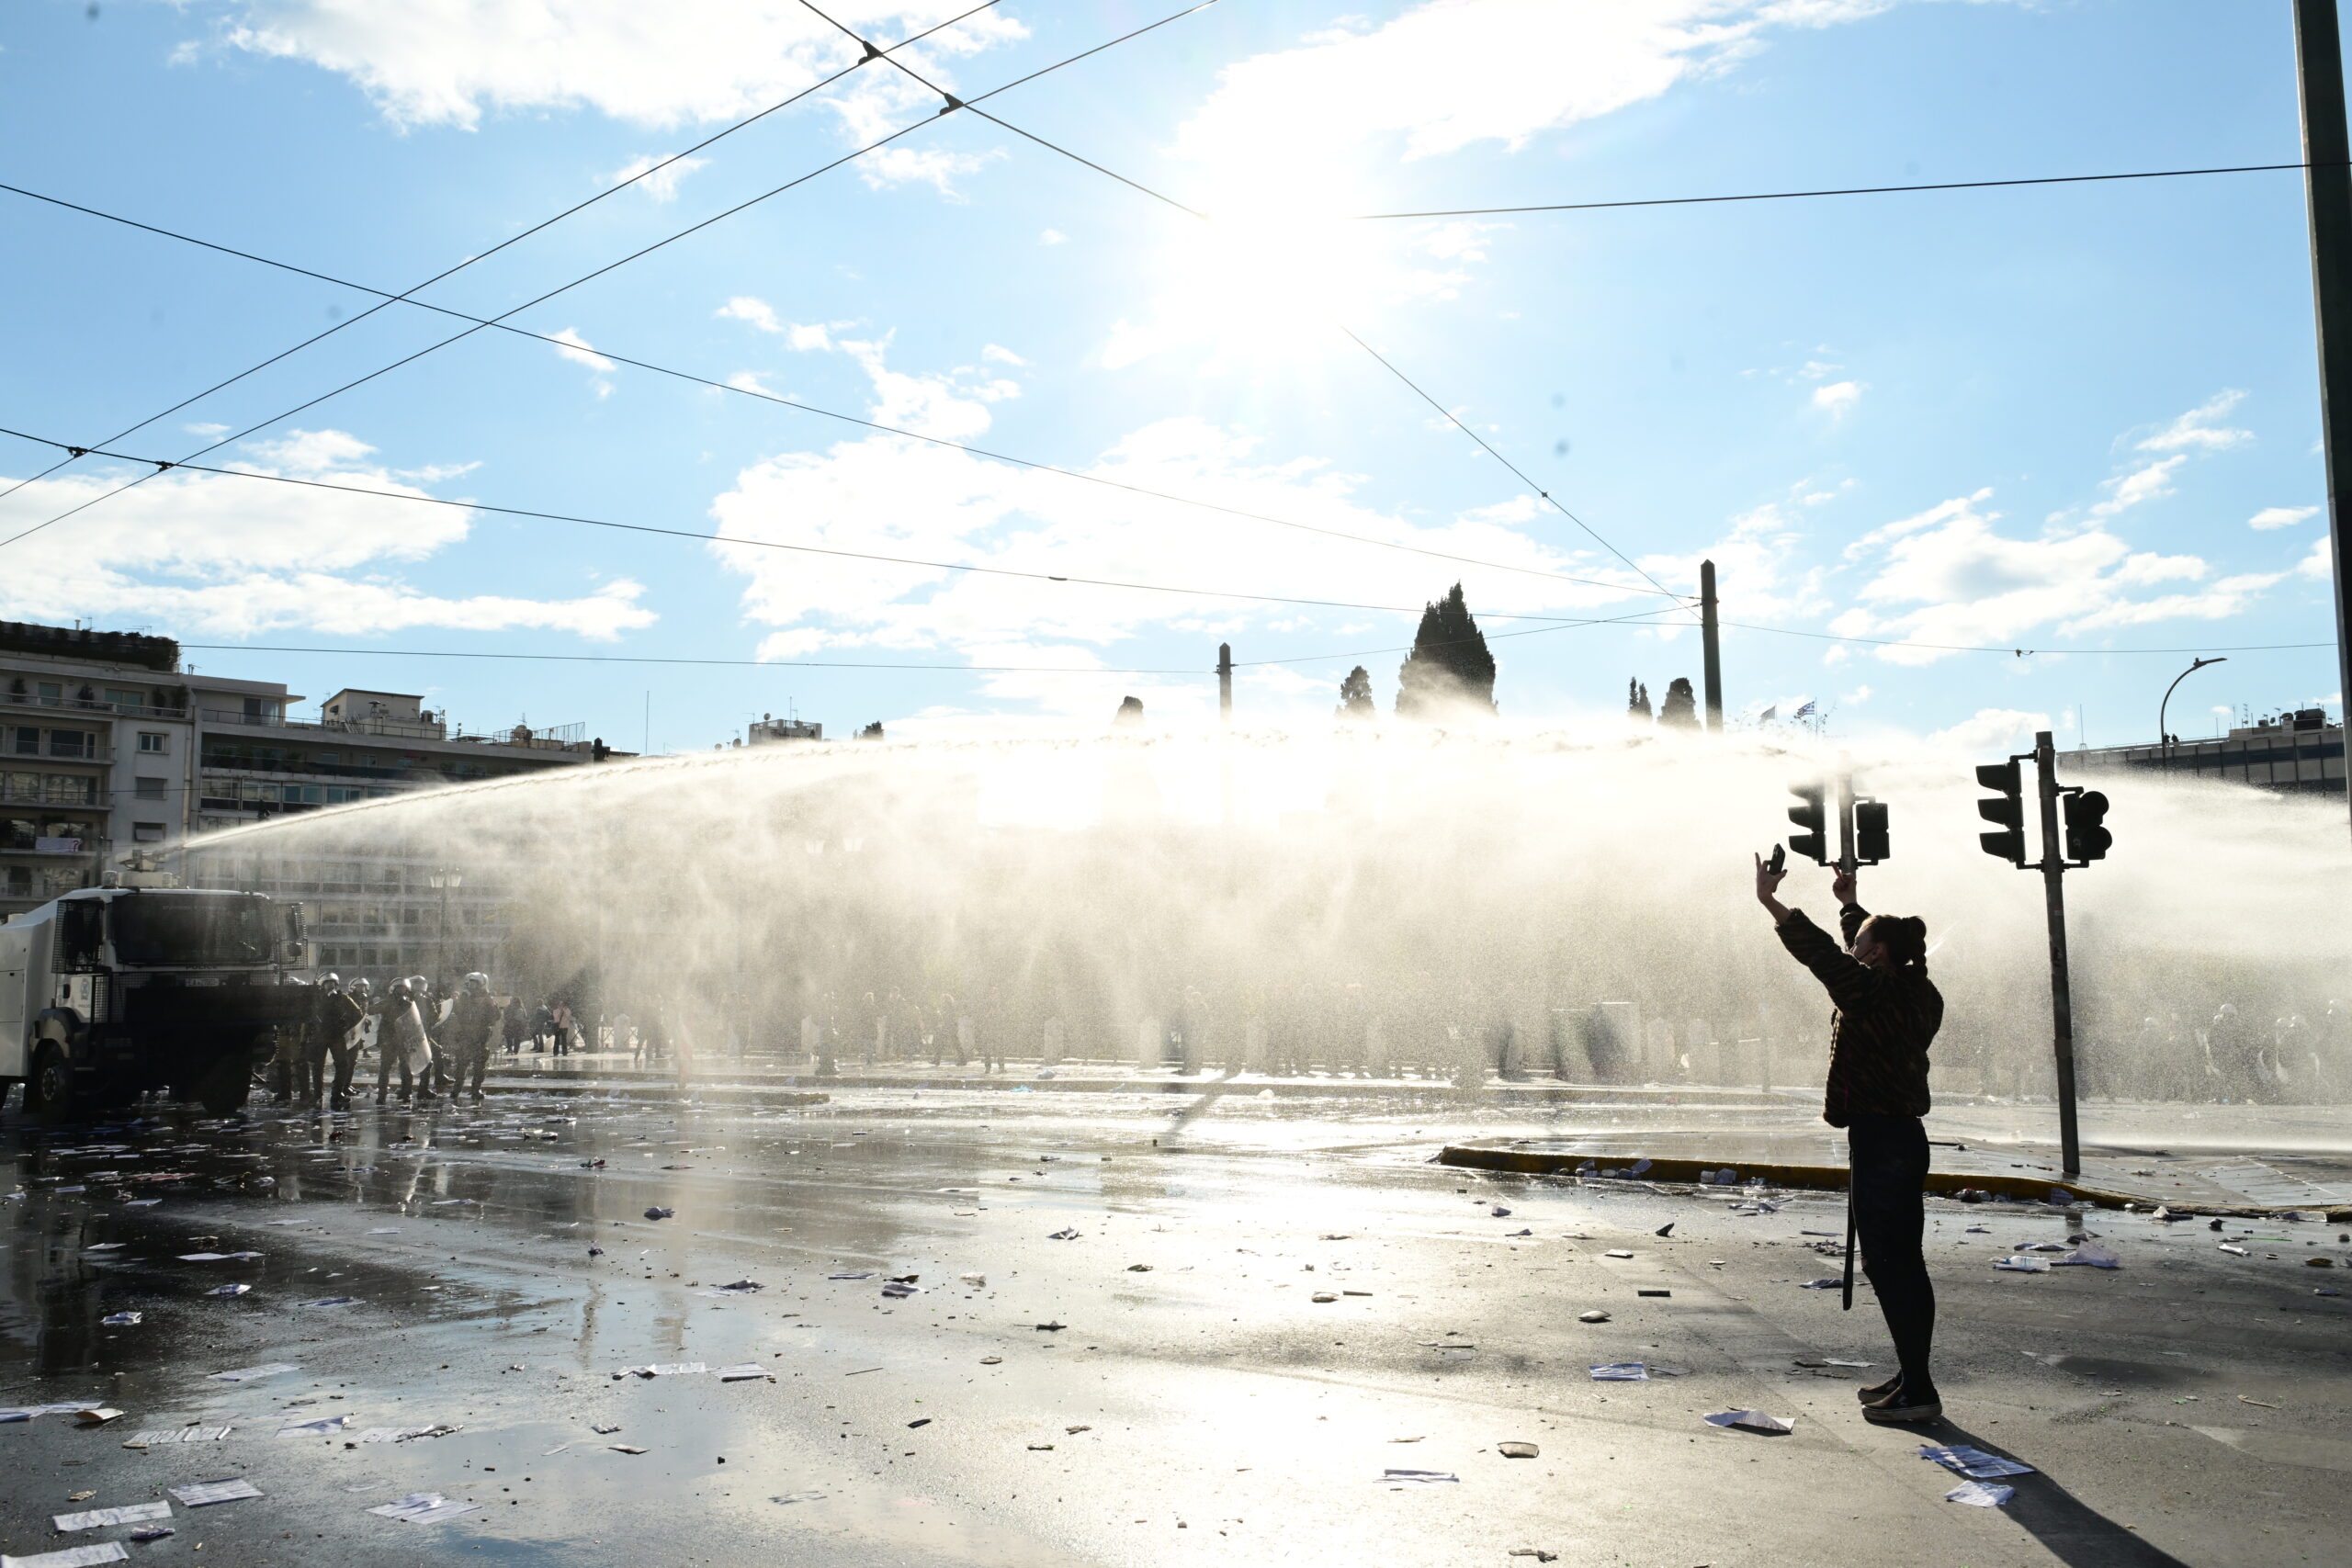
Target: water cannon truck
[107,992]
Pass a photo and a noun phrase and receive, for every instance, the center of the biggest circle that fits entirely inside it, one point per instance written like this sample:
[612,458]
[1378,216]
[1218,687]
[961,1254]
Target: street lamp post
[2164,736]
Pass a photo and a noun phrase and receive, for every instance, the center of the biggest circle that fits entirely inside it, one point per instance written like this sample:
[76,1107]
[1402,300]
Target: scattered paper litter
[384,1230]
[2090,1255]
[741,1371]
[334,1302]
[423,1508]
[1621,1371]
[98,1519]
[98,1417]
[104,1247]
[1518,1450]
[1821,1284]
[624,1448]
[228,1290]
[1417,1477]
[206,1493]
[1616,1252]
[1974,1462]
[318,1428]
[1980,1494]
[251,1374]
[799,1497]
[2018,1263]
[176,1434]
[1750,1421]
[664,1370]
[71,1557]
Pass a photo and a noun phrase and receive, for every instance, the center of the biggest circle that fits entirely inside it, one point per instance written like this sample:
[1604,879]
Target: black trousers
[1889,1158]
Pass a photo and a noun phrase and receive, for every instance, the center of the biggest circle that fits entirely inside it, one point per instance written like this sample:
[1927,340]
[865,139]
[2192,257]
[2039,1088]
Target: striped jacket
[1880,1033]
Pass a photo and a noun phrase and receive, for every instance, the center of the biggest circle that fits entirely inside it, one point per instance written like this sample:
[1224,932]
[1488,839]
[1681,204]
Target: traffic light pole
[2061,999]
[2328,179]
[1844,812]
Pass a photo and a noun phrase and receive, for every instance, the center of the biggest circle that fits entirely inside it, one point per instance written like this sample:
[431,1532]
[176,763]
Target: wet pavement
[1113,1348]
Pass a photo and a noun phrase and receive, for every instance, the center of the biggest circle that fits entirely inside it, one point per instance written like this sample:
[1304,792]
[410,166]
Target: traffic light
[1870,831]
[1812,815]
[2007,808]
[2087,838]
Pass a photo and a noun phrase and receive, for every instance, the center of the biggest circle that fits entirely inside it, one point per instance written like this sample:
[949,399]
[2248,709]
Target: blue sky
[2074,417]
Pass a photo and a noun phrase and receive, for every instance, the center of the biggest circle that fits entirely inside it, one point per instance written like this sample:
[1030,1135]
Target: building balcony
[94,707]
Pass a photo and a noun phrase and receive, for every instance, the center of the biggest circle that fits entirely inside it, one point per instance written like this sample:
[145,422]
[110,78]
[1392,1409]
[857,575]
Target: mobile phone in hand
[1779,860]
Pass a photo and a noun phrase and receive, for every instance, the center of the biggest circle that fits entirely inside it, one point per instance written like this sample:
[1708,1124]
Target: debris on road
[73,1557]
[2018,1263]
[1980,1493]
[661,1214]
[121,1320]
[1596,1316]
[99,1518]
[1417,1477]
[423,1508]
[318,1428]
[1751,1421]
[204,1493]
[98,1417]
[228,1290]
[1518,1450]
[254,1374]
[1973,1462]
[1537,1552]
[1616,1252]
[1065,1234]
[1621,1371]
[743,1371]
[176,1435]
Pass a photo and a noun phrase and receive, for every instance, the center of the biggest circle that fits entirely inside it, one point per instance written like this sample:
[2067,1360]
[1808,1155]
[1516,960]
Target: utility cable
[871,53]
[609,266]
[739,391]
[703,539]
[1444,413]
[1800,195]
[845,664]
[2019,652]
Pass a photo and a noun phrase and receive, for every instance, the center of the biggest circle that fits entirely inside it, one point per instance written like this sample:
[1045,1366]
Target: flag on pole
[1806,712]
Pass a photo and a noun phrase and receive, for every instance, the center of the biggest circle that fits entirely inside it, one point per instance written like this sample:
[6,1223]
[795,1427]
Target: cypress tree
[1681,710]
[1355,695]
[1449,670]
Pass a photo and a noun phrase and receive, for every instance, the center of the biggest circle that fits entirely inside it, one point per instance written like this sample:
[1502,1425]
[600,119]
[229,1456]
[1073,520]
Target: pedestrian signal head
[1811,814]
[2087,836]
[1870,831]
[2007,807]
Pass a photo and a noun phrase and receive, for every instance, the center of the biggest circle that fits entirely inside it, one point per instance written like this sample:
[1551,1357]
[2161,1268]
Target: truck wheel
[222,1090]
[48,1093]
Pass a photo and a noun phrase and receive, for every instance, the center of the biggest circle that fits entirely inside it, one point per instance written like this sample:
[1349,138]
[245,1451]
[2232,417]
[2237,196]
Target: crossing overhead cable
[2016,652]
[739,391]
[872,53]
[848,664]
[609,266]
[1802,195]
[703,539]
[1385,364]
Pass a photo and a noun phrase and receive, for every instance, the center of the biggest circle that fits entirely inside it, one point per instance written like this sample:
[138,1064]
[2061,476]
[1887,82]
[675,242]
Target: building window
[123,701]
[147,832]
[70,789]
[152,789]
[25,741]
[154,742]
[72,743]
[20,882]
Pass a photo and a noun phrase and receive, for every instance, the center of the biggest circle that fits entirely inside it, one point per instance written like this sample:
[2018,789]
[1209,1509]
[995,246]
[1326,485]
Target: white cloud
[447,62]
[1838,398]
[209,432]
[1948,575]
[219,555]
[1002,354]
[1991,730]
[2152,481]
[2281,516]
[570,345]
[2318,564]
[890,495]
[749,308]
[887,166]
[1053,237]
[663,184]
[2199,430]
[1447,75]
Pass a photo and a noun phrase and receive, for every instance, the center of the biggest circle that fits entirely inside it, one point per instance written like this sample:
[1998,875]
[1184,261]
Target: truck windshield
[162,930]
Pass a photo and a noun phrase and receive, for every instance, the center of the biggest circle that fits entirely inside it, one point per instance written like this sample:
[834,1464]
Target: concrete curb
[1826,1178]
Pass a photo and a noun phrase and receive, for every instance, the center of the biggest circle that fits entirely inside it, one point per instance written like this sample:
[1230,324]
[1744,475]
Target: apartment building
[108,747]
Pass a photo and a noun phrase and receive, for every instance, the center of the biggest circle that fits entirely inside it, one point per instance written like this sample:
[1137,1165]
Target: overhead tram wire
[871,54]
[732,388]
[609,266]
[851,664]
[2017,651]
[768,543]
[1805,195]
[1384,362]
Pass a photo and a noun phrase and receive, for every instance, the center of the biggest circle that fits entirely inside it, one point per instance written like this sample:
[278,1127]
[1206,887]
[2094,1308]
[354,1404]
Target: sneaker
[1902,1409]
[1871,1393]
